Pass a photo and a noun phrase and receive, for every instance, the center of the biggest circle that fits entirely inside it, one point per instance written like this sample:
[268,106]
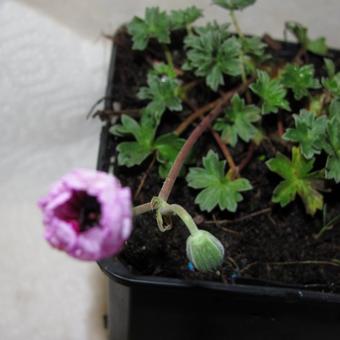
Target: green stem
[168,55]
[241,35]
[165,208]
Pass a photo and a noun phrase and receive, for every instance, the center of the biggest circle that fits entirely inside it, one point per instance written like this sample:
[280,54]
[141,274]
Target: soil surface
[265,244]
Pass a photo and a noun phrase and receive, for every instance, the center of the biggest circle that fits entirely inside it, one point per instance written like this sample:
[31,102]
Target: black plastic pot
[158,308]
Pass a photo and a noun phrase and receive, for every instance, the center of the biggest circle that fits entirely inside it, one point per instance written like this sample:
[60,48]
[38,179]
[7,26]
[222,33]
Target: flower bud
[205,251]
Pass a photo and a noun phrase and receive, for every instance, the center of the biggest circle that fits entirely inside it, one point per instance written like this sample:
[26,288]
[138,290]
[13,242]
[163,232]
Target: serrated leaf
[237,121]
[299,79]
[144,133]
[317,46]
[234,4]
[253,46]
[334,108]
[332,84]
[162,91]
[297,180]
[300,32]
[332,148]
[212,55]
[132,153]
[180,19]
[155,25]
[330,67]
[218,189]
[308,132]
[271,92]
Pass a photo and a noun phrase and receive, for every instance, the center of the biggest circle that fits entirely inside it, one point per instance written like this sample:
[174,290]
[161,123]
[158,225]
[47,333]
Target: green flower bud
[205,251]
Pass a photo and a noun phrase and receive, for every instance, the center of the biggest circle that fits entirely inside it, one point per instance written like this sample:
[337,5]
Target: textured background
[53,64]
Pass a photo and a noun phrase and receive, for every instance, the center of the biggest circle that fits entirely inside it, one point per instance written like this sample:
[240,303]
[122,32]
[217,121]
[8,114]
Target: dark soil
[277,246]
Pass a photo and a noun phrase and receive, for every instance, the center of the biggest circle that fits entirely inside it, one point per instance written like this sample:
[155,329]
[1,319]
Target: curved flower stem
[174,209]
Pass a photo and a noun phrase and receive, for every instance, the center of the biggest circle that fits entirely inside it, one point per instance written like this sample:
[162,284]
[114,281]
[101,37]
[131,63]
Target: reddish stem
[226,152]
[192,139]
[248,157]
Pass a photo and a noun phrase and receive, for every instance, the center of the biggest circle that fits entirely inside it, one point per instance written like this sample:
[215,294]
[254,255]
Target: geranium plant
[251,99]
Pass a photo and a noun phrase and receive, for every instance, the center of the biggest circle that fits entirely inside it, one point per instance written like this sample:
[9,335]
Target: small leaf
[332,148]
[330,67]
[238,121]
[334,108]
[234,4]
[332,84]
[132,153]
[300,79]
[308,132]
[163,93]
[212,55]
[218,189]
[155,25]
[180,19]
[297,180]
[271,92]
[317,46]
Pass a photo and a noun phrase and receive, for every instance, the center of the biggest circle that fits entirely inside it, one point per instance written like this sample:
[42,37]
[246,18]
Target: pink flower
[87,214]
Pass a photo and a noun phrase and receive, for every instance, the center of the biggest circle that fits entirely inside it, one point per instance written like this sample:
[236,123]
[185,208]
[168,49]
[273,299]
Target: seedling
[297,180]
[271,92]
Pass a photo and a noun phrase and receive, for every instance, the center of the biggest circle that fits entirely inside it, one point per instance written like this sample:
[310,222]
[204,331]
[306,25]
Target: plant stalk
[171,209]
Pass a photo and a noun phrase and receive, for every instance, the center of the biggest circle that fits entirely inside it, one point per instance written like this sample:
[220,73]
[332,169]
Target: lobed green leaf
[237,121]
[218,189]
[299,79]
[271,92]
[309,132]
[317,46]
[155,25]
[163,91]
[212,54]
[332,148]
[297,180]
[180,19]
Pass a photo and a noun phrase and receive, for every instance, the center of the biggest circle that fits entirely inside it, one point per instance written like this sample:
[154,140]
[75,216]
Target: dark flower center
[82,211]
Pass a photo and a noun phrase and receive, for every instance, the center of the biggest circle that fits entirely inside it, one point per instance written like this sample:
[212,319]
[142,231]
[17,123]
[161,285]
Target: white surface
[53,68]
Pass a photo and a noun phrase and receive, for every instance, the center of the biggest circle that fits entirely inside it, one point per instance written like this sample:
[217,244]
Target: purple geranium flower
[87,214]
